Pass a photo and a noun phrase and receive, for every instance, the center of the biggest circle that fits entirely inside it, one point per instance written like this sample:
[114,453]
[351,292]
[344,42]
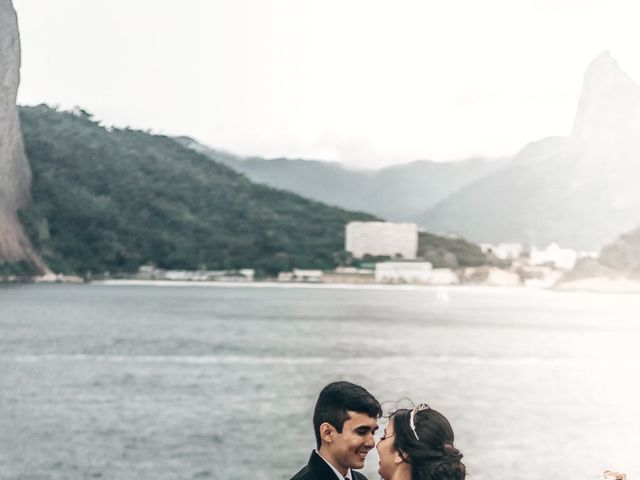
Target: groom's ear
[327,431]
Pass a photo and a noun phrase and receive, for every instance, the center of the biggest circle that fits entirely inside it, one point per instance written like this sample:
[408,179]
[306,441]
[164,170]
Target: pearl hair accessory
[418,408]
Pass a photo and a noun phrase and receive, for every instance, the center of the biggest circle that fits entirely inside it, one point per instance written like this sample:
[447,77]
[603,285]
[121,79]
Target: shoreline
[600,285]
[569,287]
[301,285]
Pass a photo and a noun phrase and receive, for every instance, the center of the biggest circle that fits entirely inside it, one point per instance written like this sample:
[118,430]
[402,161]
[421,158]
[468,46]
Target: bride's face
[388,455]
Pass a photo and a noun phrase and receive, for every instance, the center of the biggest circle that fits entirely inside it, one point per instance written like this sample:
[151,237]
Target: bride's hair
[424,438]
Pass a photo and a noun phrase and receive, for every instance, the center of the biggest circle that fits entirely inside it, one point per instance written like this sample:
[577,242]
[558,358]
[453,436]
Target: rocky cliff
[15,176]
[607,123]
[579,191]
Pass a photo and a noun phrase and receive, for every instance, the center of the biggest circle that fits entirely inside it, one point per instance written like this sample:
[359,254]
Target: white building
[185,275]
[561,258]
[539,276]
[305,275]
[403,272]
[150,272]
[354,270]
[248,273]
[444,276]
[382,239]
[502,278]
[301,275]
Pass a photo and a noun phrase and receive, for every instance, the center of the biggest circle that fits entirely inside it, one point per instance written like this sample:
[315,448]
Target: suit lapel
[320,468]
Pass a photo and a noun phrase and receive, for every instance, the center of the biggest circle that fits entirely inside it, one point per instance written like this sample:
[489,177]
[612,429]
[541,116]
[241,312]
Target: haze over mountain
[108,200]
[395,193]
[580,191]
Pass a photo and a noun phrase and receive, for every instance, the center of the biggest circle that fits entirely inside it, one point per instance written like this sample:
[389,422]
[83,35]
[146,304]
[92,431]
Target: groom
[344,420]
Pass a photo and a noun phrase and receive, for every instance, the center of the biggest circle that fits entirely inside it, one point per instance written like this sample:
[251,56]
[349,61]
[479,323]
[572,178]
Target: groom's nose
[370,440]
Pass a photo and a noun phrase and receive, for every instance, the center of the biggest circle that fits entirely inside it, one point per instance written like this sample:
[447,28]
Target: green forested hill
[444,252]
[114,199]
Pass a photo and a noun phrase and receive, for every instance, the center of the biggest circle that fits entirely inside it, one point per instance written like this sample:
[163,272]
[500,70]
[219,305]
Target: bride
[418,445]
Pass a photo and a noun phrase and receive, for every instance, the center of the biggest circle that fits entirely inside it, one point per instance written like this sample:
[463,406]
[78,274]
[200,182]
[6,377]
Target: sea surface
[196,382]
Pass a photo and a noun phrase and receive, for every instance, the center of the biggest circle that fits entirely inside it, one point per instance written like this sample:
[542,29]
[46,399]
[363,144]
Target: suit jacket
[317,469]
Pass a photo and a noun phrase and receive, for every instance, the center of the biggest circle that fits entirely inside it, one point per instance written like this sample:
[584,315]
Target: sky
[363,82]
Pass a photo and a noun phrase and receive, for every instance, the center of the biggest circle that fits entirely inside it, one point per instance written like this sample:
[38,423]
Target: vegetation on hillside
[20,270]
[111,200]
[446,252]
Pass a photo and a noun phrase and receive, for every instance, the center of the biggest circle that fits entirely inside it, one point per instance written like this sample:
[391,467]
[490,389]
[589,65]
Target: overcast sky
[363,82]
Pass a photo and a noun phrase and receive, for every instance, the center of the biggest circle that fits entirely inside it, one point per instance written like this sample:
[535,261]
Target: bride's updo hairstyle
[424,439]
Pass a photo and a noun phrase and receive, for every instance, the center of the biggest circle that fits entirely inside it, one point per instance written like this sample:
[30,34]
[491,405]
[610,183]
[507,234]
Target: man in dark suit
[345,419]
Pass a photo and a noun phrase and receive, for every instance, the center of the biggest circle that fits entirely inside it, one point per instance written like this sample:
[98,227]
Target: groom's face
[350,447]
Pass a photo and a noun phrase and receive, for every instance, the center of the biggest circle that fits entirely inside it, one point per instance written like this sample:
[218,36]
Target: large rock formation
[580,191]
[15,176]
[607,123]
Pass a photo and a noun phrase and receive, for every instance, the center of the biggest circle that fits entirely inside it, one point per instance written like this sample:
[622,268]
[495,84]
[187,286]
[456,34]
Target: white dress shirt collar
[338,474]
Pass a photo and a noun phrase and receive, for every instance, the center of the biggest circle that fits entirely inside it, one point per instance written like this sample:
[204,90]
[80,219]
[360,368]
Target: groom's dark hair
[336,399]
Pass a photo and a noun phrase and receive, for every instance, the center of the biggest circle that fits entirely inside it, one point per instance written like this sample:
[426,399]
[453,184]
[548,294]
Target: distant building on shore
[301,275]
[561,258]
[493,276]
[349,275]
[382,239]
[149,272]
[540,276]
[444,276]
[404,272]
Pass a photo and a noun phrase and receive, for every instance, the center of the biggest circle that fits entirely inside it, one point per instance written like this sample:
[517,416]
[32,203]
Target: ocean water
[147,382]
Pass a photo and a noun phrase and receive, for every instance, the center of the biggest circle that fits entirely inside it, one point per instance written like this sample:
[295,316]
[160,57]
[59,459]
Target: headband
[418,408]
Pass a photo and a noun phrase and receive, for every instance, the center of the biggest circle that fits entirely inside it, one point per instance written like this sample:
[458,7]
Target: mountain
[579,191]
[395,193]
[623,254]
[617,264]
[110,200]
[608,118]
[16,252]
